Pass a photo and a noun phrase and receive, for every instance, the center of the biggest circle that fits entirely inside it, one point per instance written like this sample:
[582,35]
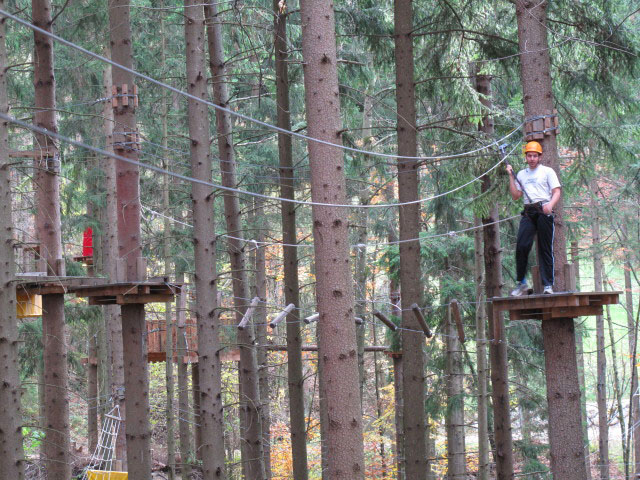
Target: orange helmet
[533,147]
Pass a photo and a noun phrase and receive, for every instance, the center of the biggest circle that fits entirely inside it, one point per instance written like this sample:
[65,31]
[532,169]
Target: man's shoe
[520,290]
[548,290]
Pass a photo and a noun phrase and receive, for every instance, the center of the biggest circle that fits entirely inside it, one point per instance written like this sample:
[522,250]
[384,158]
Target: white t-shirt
[538,183]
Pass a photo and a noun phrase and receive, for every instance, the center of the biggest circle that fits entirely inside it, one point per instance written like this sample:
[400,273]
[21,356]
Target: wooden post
[421,320]
[383,318]
[282,315]
[195,387]
[248,314]
[312,318]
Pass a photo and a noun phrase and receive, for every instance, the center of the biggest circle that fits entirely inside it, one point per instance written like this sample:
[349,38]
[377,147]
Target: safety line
[79,144]
[240,115]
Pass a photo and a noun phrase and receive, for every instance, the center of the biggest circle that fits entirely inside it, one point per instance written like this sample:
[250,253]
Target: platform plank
[557,305]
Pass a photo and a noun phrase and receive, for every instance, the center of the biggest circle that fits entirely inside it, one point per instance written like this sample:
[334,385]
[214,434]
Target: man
[541,189]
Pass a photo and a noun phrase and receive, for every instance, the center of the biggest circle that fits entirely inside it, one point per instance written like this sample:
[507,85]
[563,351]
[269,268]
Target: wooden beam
[421,320]
[282,315]
[314,348]
[37,153]
[249,313]
[383,318]
[312,318]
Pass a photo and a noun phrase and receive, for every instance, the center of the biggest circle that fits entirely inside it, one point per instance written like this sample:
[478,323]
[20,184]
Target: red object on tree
[87,243]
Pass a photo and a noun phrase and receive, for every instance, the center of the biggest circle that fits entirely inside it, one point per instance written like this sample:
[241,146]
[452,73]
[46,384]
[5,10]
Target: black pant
[532,222]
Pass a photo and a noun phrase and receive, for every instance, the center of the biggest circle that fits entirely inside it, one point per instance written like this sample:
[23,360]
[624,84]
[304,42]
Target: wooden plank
[574,312]
[43,289]
[136,299]
[107,290]
[37,153]
[102,300]
[154,357]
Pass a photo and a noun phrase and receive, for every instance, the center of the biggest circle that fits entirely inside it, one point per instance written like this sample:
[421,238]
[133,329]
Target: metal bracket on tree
[536,128]
[120,96]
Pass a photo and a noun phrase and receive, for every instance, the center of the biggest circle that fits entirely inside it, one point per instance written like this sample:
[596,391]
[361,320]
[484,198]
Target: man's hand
[547,209]
[509,169]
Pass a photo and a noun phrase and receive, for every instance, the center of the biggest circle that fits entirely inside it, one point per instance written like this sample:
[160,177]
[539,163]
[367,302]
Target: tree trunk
[379,382]
[92,392]
[48,227]
[248,372]
[112,316]
[290,255]
[261,331]
[12,464]
[337,349]
[361,298]
[186,452]
[399,418]
[204,238]
[166,247]
[601,357]
[481,356]
[394,300]
[197,410]
[580,359]
[617,390]
[483,86]
[136,378]
[635,399]
[563,389]
[456,465]
[410,282]
[497,350]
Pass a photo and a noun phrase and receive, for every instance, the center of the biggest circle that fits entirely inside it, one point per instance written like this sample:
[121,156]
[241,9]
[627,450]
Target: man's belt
[533,207]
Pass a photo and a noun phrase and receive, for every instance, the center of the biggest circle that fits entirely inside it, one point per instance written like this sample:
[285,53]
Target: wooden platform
[99,292]
[557,305]
[45,285]
[126,293]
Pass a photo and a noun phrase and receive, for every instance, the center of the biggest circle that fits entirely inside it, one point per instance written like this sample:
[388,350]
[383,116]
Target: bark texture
[601,355]
[184,419]
[563,389]
[262,338]
[481,356]
[210,420]
[580,360]
[250,401]
[113,320]
[456,464]
[136,378]
[410,281]
[12,464]
[290,253]
[48,228]
[493,287]
[337,350]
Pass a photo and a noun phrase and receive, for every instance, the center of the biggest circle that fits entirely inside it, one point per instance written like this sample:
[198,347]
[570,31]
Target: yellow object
[104,475]
[28,305]
[533,147]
